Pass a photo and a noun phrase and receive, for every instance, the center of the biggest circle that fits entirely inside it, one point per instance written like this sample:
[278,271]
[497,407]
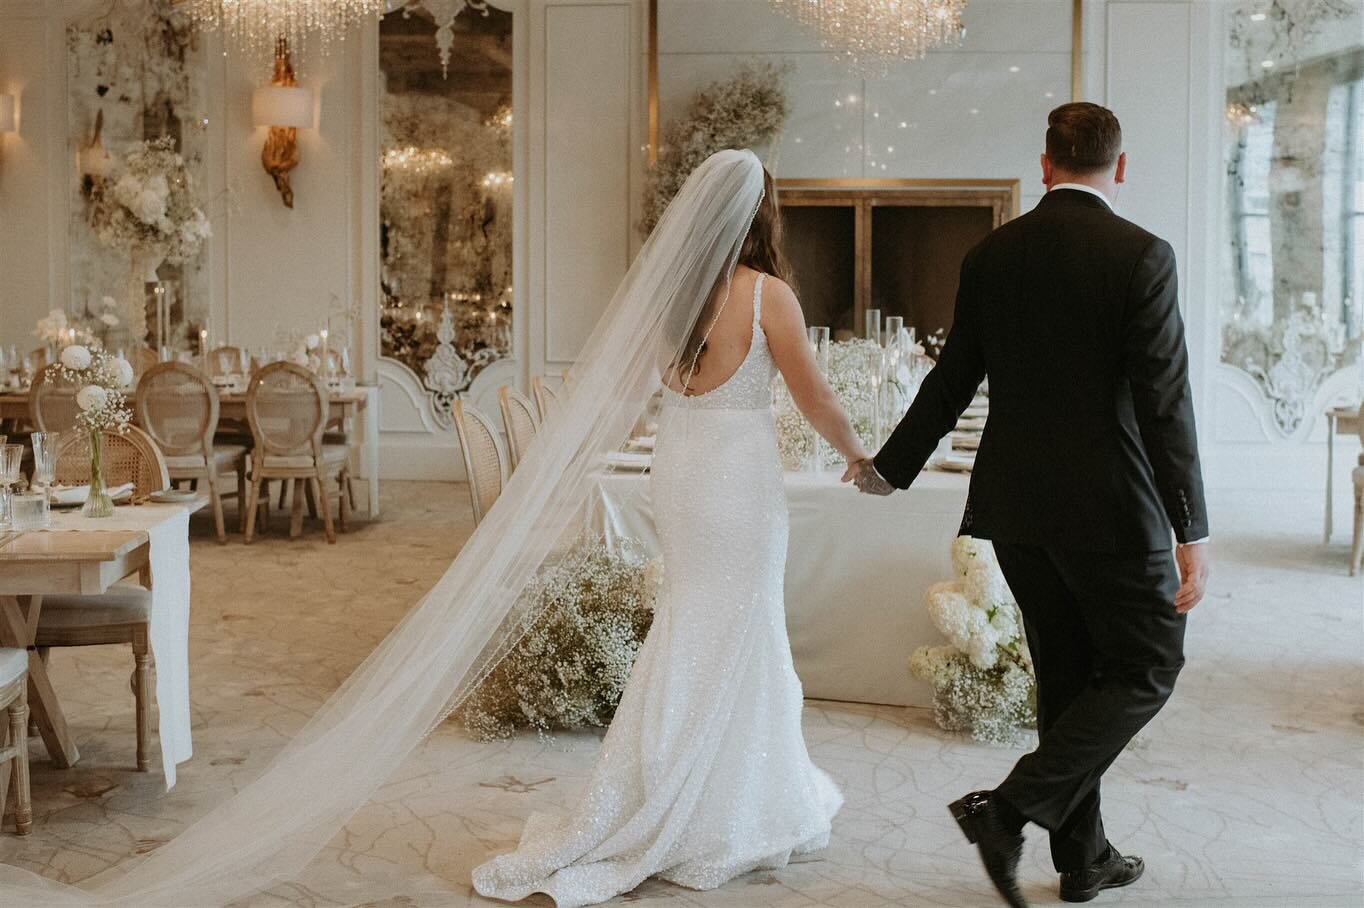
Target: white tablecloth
[856,571]
[167,528]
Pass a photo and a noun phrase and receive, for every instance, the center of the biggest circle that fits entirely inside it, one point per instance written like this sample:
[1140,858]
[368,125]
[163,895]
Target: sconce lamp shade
[278,105]
[9,120]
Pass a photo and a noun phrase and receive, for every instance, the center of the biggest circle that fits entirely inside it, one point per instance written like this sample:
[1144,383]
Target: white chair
[1357,547]
[178,407]
[122,614]
[546,398]
[287,407]
[521,420]
[14,738]
[482,457]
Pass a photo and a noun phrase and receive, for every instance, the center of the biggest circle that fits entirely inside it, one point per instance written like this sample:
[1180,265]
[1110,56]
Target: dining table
[1339,421]
[351,408]
[83,556]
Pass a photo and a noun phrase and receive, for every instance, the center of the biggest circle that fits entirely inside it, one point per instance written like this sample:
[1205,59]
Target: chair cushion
[332,455]
[119,605]
[224,457]
[13,663]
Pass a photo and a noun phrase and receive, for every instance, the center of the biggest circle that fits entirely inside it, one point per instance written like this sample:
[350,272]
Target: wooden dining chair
[14,739]
[287,407]
[142,358]
[178,407]
[521,419]
[1357,545]
[546,398]
[482,457]
[52,402]
[121,615]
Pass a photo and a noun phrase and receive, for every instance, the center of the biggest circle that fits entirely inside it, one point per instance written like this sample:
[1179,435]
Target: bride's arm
[784,324]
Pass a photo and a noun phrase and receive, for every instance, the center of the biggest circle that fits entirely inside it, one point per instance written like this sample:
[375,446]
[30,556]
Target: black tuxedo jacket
[1090,444]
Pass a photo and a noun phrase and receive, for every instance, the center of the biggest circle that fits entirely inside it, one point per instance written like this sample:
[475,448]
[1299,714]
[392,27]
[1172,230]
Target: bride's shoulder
[778,297]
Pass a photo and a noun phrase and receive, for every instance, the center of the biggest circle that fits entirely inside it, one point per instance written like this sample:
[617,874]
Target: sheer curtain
[272,828]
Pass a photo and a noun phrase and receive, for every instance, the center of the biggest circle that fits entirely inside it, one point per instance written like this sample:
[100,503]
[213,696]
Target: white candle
[326,364]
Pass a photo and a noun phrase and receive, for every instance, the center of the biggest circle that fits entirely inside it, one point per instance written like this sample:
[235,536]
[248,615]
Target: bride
[704,775]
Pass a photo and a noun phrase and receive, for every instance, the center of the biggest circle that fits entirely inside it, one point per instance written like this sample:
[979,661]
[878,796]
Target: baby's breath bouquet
[100,380]
[149,204]
[983,680]
[849,377]
[593,609]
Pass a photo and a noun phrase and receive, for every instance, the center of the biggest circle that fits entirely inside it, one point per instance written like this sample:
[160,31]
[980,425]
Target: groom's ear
[1121,175]
[1046,171]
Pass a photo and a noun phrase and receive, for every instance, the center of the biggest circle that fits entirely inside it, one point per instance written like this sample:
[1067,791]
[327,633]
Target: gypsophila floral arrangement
[746,110]
[100,380]
[149,203]
[983,679]
[849,378]
[593,609]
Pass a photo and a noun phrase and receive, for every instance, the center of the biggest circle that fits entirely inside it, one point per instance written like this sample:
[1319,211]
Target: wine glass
[44,458]
[11,456]
[872,324]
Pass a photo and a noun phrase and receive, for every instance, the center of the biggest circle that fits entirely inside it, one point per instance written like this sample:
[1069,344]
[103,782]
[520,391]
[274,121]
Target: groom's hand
[1193,575]
[862,473]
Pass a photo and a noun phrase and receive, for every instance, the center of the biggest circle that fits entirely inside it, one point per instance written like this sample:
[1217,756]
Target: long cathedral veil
[272,828]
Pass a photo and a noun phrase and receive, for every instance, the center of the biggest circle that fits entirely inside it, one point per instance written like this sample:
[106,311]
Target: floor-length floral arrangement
[982,679]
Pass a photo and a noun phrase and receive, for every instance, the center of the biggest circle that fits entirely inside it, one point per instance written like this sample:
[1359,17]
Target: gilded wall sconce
[284,108]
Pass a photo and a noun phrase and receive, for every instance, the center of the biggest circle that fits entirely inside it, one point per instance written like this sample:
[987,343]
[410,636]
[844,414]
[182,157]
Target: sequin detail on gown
[704,774]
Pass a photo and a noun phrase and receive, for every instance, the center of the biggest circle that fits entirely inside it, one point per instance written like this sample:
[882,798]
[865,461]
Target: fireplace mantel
[893,244]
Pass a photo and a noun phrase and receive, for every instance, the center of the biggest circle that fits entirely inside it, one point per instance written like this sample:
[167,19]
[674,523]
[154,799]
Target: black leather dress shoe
[1110,871]
[1000,847]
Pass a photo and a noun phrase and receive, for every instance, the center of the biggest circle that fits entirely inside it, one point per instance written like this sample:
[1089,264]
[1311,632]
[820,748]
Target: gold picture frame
[1076,66]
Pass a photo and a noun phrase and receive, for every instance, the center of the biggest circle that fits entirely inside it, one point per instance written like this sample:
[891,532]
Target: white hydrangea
[76,356]
[92,397]
[123,371]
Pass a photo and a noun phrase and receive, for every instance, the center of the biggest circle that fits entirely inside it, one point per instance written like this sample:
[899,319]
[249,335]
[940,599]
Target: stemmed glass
[819,338]
[44,458]
[11,456]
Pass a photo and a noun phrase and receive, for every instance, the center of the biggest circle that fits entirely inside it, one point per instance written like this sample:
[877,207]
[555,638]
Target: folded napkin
[72,495]
[640,443]
[629,460]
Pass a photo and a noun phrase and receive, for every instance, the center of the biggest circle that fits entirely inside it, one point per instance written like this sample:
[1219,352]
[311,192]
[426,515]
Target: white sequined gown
[704,774]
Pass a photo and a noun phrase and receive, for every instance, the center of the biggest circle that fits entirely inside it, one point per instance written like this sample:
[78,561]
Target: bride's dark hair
[761,251]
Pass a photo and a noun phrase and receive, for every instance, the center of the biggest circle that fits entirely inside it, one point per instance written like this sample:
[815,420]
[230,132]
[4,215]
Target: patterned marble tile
[1248,790]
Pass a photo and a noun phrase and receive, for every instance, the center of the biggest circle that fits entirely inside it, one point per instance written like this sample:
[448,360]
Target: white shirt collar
[1083,188]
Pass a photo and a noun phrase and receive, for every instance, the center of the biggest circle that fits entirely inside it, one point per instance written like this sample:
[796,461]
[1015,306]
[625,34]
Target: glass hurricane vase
[97,502]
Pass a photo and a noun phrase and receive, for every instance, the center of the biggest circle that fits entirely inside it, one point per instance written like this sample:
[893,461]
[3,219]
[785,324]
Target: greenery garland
[744,111]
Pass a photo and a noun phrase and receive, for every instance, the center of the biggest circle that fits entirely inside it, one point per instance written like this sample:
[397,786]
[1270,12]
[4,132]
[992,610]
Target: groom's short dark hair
[1083,137]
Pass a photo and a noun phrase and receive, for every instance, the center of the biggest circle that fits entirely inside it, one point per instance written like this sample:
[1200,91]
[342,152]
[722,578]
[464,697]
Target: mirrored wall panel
[446,203]
[1293,309]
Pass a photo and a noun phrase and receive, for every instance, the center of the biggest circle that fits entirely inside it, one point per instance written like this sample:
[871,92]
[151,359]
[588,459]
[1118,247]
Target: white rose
[149,207]
[127,189]
[158,185]
[123,371]
[91,397]
[311,341]
[109,319]
[108,302]
[76,357]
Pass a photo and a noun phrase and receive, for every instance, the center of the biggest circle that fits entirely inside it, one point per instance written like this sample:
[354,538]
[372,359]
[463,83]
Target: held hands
[862,473]
[1193,562]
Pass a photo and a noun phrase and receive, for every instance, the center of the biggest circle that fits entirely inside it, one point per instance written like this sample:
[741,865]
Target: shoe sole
[1088,895]
[968,828]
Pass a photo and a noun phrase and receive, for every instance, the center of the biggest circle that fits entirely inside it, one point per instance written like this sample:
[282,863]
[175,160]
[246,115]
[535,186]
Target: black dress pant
[1107,645]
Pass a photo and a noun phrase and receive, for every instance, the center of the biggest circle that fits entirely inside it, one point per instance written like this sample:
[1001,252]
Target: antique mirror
[445,108]
[1293,266]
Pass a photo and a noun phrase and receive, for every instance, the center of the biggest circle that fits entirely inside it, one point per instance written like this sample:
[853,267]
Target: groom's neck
[1100,182]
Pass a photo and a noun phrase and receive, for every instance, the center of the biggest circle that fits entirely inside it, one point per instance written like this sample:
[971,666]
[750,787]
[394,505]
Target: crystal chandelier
[872,34]
[255,25]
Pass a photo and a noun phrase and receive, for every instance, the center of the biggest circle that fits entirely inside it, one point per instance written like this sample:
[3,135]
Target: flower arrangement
[848,377]
[983,679]
[100,380]
[593,609]
[746,110]
[57,328]
[149,203]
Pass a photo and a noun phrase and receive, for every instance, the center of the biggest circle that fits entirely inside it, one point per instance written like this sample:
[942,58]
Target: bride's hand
[855,463]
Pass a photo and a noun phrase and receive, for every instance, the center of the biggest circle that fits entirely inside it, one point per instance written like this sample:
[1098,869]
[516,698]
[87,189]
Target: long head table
[856,570]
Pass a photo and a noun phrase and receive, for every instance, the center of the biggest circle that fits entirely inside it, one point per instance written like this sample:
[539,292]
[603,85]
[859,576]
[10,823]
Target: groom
[1088,460]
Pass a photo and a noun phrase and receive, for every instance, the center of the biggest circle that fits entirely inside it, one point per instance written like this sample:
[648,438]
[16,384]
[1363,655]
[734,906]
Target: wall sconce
[284,108]
[9,113]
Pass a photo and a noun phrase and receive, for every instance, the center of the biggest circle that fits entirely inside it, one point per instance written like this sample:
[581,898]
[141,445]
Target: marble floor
[1247,790]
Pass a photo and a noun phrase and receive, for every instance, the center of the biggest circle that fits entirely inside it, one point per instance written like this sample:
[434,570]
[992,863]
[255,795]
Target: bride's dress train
[704,774]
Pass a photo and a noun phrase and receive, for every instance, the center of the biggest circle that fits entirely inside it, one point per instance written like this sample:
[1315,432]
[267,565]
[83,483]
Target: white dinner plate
[173,496]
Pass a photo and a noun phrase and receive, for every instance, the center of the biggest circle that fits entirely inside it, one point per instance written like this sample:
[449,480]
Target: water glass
[872,325]
[819,338]
[30,511]
[45,458]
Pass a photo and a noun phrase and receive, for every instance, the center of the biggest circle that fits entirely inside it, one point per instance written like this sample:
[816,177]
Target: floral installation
[592,610]
[847,376]
[58,328]
[149,203]
[744,111]
[982,679]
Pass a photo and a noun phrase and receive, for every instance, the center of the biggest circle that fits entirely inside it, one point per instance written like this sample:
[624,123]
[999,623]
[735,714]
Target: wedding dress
[703,775]
[476,613]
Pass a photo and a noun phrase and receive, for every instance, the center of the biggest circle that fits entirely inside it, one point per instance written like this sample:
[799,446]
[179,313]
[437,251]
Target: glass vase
[97,502]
